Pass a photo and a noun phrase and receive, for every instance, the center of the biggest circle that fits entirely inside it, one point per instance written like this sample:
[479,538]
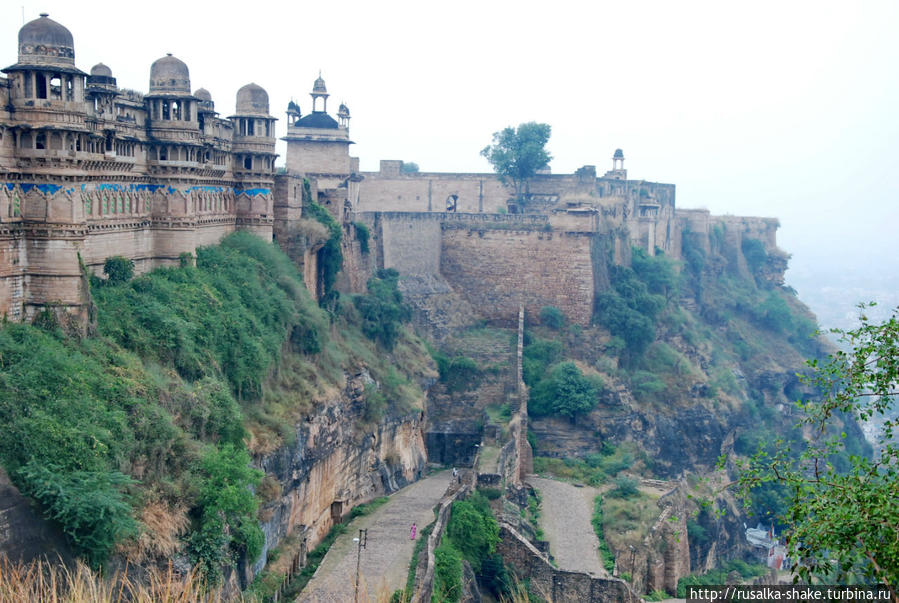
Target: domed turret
[101,76]
[169,75]
[343,115]
[252,99]
[46,42]
[319,86]
[101,70]
[203,95]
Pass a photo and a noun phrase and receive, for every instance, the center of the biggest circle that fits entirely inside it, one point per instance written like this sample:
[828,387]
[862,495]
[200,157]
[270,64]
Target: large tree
[843,517]
[517,153]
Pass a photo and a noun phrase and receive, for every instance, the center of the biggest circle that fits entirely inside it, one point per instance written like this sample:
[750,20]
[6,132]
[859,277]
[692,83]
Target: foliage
[608,557]
[629,310]
[459,373]
[566,391]
[409,167]
[330,258]
[118,269]
[593,469]
[231,313]
[382,309]
[552,317]
[473,530]
[90,506]
[227,511]
[842,516]
[625,487]
[447,573]
[719,576]
[755,254]
[517,153]
[420,543]
[537,356]
[362,235]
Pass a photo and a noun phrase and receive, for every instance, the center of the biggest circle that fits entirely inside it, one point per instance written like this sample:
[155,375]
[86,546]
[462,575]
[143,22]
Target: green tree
[566,392]
[517,153]
[409,167]
[843,517]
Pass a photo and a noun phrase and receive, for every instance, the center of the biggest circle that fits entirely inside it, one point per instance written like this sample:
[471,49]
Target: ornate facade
[89,170]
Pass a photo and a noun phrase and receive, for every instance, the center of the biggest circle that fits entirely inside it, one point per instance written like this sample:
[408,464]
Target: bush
[552,317]
[473,531]
[382,310]
[118,270]
[625,487]
[460,373]
[566,392]
[447,573]
[608,557]
[89,506]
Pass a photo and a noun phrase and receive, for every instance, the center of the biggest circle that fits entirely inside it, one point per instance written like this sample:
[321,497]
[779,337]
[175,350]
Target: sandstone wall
[424,192]
[332,468]
[499,270]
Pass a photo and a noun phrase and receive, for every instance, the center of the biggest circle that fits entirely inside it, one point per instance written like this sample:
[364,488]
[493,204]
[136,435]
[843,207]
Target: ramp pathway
[384,563]
[565,515]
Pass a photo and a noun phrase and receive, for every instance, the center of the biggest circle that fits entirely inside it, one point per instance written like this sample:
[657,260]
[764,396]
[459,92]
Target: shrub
[362,235]
[447,573]
[552,317]
[118,269]
[473,531]
[382,310]
[566,392]
[625,487]
[89,506]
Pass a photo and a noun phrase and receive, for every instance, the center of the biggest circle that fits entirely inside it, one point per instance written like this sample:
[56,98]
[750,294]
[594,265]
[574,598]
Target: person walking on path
[412,533]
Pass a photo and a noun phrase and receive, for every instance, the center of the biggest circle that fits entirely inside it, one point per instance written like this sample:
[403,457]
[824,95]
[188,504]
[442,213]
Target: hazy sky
[785,109]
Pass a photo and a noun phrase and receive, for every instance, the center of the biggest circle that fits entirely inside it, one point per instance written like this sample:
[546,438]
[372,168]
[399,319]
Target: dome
[44,41]
[343,111]
[317,120]
[252,99]
[101,70]
[169,75]
[619,154]
[203,94]
[319,86]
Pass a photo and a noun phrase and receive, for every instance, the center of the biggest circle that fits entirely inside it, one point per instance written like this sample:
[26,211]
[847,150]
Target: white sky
[783,108]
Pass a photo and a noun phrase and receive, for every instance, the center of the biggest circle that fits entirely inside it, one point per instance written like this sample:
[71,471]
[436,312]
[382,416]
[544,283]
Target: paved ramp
[384,563]
[565,515]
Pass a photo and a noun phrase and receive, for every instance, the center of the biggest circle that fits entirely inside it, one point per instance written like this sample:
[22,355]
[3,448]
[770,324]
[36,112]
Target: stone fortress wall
[89,170]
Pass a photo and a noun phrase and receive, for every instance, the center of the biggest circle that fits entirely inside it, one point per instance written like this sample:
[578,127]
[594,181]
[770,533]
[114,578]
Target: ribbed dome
[169,75]
[203,94]
[46,42]
[619,154]
[252,99]
[317,120]
[102,70]
[343,111]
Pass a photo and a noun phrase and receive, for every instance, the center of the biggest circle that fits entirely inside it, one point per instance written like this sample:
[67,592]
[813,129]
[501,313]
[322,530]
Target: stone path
[384,563]
[565,514]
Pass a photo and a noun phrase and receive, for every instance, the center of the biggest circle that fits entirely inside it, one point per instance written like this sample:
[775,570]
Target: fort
[89,171]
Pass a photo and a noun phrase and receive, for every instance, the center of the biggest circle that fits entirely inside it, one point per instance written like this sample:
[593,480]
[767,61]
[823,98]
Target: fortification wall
[426,192]
[499,270]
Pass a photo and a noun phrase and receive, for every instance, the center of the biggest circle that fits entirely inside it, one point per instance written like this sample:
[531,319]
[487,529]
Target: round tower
[47,92]
[254,132]
[172,114]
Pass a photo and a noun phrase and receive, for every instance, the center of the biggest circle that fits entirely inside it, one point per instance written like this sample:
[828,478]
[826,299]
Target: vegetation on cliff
[842,515]
[139,439]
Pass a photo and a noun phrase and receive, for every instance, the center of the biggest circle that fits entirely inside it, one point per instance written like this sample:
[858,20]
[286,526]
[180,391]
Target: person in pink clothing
[412,533]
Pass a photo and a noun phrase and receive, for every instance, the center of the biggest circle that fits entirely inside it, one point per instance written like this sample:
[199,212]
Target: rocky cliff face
[334,464]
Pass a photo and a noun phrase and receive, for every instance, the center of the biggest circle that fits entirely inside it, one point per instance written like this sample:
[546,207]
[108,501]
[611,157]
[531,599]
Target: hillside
[137,441]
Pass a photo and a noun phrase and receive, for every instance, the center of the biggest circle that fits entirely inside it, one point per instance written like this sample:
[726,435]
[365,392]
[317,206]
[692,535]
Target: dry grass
[45,582]
[164,527]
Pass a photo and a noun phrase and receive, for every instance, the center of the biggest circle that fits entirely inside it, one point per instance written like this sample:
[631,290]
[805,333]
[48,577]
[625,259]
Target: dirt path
[565,515]
[384,562]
